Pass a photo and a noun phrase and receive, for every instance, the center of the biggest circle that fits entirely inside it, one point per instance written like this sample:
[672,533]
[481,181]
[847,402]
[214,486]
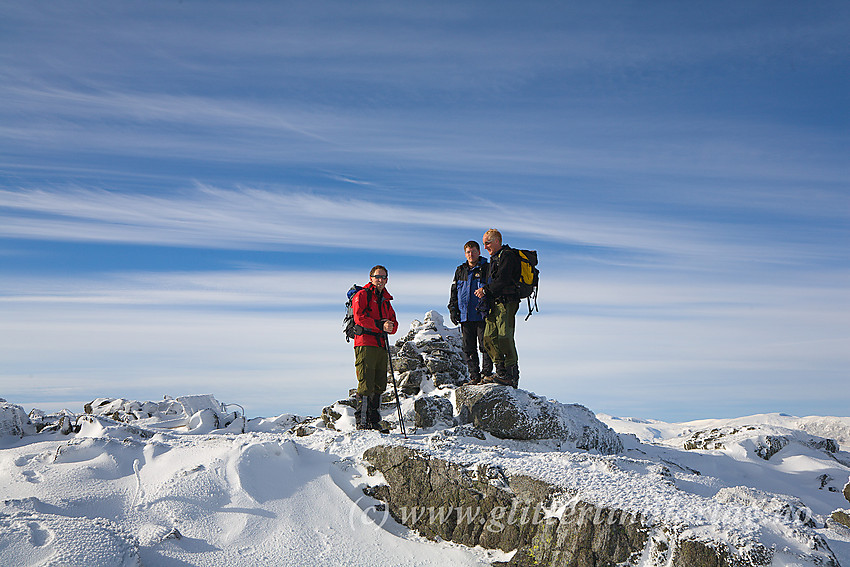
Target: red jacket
[368,314]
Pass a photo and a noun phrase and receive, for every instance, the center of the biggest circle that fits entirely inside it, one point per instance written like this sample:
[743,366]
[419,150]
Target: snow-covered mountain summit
[486,475]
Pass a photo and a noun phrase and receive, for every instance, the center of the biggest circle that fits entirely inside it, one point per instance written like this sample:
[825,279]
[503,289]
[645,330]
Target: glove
[455,317]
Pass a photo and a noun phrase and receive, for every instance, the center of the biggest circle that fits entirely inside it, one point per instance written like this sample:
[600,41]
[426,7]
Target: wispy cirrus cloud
[259,219]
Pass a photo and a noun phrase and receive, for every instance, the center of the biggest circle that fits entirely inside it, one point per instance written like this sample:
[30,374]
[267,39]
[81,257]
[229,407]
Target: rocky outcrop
[510,413]
[847,491]
[198,413]
[429,352]
[841,517]
[762,441]
[14,421]
[488,507]
[433,411]
[778,505]
[427,358]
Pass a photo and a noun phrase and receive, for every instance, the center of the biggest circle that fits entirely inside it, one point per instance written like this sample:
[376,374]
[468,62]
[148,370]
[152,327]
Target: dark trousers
[472,333]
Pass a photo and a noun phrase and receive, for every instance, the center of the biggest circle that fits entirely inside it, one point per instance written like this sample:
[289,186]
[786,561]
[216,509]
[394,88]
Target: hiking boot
[358,410]
[512,373]
[362,411]
[486,365]
[499,376]
[374,415]
[474,377]
[503,380]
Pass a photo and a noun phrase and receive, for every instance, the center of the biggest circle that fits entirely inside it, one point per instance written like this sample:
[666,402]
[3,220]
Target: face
[379,279]
[492,244]
[472,255]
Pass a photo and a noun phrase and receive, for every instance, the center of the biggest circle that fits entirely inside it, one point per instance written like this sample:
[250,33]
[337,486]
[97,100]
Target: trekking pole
[395,386]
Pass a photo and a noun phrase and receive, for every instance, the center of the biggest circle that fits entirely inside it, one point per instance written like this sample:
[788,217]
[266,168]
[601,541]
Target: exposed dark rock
[410,382]
[711,439]
[509,413]
[432,351]
[842,517]
[465,430]
[433,411]
[847,491]
[487,507]
[330,416]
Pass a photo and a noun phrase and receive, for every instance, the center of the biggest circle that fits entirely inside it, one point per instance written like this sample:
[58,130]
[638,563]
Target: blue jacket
[463,303]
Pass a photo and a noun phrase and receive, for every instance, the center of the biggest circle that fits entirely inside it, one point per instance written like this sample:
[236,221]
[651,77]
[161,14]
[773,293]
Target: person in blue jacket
[468,311]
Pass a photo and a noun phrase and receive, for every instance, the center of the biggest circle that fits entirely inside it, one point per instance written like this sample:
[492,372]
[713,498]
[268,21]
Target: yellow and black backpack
[529,278]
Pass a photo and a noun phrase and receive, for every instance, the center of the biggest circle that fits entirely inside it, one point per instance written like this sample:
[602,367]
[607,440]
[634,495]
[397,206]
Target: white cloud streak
[262,219]
[244,333]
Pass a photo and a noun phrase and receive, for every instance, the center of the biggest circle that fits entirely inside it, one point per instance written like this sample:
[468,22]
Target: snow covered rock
[510,413]
[433,411]
[763,441]
[482,504]
[14,421]
[429,352]
[778,505]
[200,413]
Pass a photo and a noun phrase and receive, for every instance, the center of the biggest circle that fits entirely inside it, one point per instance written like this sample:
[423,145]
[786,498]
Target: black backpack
[529,278]
[349,328]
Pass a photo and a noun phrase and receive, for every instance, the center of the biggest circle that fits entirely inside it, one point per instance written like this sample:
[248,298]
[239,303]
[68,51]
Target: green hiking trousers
[499,333]
[371,363]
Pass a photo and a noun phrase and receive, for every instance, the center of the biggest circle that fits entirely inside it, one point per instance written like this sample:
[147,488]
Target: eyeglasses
[380,277]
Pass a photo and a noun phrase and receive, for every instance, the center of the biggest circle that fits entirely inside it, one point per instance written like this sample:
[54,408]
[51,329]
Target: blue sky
[188,188]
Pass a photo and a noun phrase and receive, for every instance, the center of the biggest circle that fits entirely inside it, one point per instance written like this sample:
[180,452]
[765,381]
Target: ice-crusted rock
[14,420]
[433,411]
[510,413]
[778,505]
[429,351]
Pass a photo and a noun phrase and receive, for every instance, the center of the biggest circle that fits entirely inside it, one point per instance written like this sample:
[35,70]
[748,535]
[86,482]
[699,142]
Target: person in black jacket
[467,310]
[502,294]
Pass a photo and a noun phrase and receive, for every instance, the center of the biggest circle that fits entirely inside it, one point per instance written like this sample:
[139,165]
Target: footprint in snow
[39,536]
[32,476]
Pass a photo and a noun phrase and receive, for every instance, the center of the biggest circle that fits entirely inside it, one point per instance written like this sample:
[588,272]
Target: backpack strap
[528,299]
[369,303]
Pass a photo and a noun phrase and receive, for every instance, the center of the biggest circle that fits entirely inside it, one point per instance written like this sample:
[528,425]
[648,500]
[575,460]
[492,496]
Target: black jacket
[505,271]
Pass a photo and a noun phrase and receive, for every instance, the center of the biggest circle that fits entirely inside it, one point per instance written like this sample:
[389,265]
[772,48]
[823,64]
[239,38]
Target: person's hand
[388,326]
[479,293]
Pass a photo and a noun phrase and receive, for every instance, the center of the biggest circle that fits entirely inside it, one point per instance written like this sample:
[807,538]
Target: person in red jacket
[374,318]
